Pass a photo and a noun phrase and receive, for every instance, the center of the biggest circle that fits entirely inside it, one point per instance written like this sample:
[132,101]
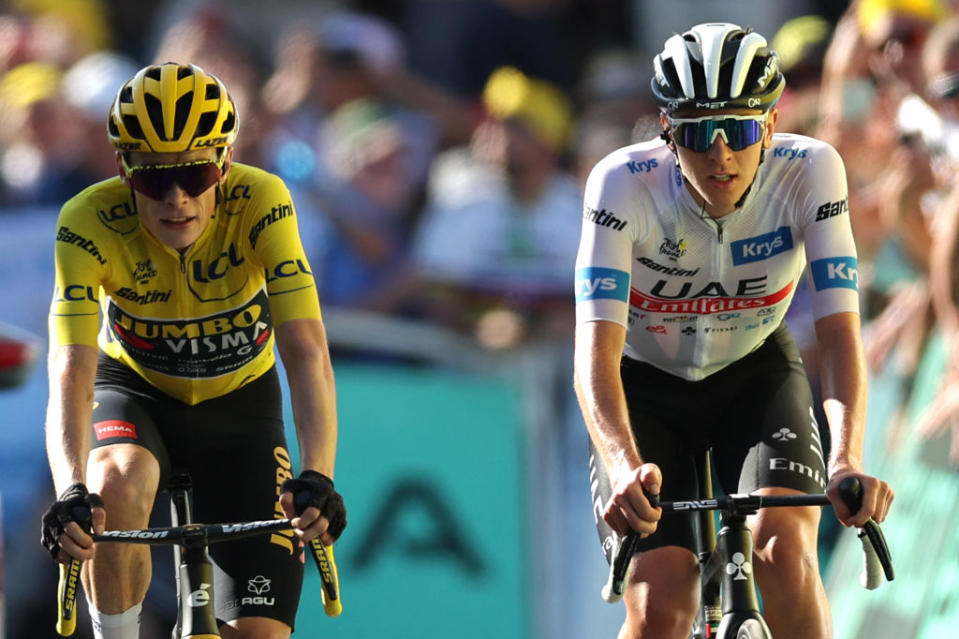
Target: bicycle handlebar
[876,556]
[209,533]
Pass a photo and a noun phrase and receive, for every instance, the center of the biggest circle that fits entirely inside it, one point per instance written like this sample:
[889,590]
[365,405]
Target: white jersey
[697,294]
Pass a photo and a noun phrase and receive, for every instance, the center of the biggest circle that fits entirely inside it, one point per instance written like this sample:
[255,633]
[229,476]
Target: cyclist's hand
[65,524]
[316,509]
[628,509]
[877,497]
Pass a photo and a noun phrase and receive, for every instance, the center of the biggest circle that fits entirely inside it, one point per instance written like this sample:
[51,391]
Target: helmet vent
[229,123]
[212,91]
[205,125]
[153,73]
[182,112]
[155,111]
[132,126]
[183,72]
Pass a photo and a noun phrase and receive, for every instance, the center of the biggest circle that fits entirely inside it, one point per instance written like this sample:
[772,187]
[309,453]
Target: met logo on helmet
[712,105]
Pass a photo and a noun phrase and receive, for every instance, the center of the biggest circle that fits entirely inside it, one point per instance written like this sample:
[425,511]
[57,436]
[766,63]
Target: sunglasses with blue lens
[698,134]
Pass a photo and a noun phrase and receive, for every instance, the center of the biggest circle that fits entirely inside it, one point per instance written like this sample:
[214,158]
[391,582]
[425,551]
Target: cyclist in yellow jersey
[173,282]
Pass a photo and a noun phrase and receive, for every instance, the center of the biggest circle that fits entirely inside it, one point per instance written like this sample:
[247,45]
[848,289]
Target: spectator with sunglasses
[692,247]
[195,265]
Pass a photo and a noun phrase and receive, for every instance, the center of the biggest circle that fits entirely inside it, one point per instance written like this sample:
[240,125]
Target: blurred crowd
[436,150]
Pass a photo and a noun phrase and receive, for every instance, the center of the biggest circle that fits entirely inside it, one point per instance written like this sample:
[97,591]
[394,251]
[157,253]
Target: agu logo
[835,272]
[114,428]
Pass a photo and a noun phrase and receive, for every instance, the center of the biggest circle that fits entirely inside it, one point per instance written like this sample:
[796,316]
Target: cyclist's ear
[227,163]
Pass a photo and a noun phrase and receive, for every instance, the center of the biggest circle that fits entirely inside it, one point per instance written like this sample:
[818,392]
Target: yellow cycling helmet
[171,108]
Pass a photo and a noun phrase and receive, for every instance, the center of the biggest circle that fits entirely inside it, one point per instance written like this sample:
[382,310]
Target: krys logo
[761,247]
[835,272]
[596,283]
[645,166]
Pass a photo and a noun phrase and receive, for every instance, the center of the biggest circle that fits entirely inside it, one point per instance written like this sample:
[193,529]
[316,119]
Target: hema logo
[594,283]
[761,247]
[835,272]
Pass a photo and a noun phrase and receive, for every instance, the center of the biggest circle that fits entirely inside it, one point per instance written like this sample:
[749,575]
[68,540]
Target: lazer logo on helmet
[220,141]
[127,146]
[761,247]
[595,283]
[835,272]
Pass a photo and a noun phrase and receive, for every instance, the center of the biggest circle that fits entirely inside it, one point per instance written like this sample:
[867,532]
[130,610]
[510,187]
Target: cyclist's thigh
[238,459]
[127,456]
[771,437]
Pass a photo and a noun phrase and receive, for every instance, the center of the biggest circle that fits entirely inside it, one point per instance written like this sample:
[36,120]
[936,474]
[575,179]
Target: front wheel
[753,629]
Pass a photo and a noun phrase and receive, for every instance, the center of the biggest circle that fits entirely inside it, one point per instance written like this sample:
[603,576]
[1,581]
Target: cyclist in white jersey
[692,247]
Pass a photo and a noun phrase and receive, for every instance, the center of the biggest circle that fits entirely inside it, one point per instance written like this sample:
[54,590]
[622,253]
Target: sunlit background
[436,151]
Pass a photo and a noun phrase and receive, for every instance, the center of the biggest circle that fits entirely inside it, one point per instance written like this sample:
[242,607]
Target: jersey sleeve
[830,247]
[79,270]
[603,261]
[275,241]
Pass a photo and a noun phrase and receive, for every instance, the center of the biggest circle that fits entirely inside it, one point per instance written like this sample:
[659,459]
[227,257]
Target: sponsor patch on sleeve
[835,272]
[114,428]
[595,283]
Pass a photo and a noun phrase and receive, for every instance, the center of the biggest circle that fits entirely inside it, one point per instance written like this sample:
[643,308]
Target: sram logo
[594,283]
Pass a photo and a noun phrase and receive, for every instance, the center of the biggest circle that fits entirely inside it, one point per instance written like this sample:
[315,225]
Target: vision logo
[835,272]
[761,247]
[596,283]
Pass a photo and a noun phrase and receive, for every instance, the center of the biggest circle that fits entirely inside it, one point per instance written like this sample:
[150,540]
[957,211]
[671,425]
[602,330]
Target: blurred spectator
[42,146]
[497,242]
[90,86]
[801,44]
[357,158]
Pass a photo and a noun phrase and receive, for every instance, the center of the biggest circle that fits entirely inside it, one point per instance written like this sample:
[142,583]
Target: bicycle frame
[196,618]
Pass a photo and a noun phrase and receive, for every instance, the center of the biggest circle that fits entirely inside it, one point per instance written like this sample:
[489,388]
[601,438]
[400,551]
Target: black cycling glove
[74,504]
[316,489]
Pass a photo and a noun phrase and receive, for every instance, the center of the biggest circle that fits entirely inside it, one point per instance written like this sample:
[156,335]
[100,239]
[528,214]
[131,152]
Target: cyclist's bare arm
[71,370]
[303,348]
[842,369]
[599,388]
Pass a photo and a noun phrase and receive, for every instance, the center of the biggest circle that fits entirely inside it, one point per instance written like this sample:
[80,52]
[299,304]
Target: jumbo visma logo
[835,272]
[200,347]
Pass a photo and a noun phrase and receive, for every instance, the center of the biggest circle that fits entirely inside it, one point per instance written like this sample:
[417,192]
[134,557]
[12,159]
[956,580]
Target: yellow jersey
[195,325]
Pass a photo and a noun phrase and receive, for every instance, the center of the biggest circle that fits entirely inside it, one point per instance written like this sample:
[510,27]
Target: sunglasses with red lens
[156,180]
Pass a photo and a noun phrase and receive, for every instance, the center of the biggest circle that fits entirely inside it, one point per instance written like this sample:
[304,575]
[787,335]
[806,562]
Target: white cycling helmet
[717,65]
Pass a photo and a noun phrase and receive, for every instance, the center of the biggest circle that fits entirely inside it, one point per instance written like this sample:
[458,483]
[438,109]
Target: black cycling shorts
[756,415]
[235,451]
